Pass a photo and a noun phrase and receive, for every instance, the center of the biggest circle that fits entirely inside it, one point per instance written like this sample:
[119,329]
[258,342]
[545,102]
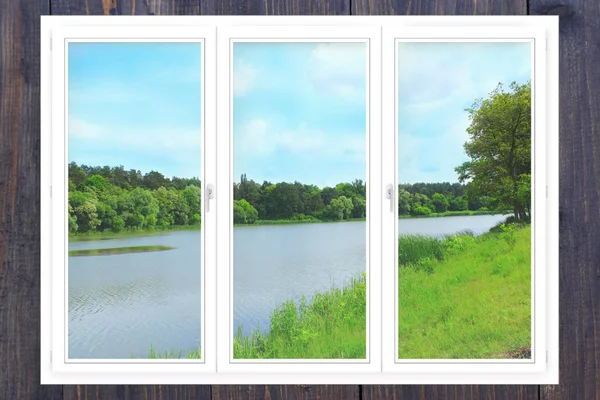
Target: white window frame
[290,34]
[217,367]
[57,167]
[464,34]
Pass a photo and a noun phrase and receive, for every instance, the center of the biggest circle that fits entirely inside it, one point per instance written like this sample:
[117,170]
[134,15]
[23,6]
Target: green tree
[458,204]
[440,202]
[499,146]
[404,202]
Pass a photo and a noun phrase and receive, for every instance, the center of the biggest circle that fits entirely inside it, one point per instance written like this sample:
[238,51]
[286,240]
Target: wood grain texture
[579,205]
[145,392]
[439,7]
[450,392]
[125,7]
[292,392]
[19,202]
[579,196]
[276,7]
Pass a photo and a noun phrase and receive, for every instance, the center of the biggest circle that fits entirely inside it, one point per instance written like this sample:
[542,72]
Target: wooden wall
[20,195]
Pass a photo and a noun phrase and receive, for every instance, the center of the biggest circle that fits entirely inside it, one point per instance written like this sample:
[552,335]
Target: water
[120,304]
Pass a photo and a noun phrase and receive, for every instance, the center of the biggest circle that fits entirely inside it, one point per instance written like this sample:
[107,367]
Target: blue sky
[136,105]
[300,112]
[436,82]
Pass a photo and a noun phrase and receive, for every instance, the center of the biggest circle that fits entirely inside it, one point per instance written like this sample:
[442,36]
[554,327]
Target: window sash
[383,367]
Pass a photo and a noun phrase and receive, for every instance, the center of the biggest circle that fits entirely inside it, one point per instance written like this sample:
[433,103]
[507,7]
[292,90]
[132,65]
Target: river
[119,305]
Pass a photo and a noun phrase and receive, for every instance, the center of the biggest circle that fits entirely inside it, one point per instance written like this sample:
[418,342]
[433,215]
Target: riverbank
[465,297]
[332,325]
[297,221]
[455,214]
[74,237]
[404,216]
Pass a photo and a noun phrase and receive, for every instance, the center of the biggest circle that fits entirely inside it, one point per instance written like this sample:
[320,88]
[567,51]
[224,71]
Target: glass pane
[464,200]
[134,136]
[299,164]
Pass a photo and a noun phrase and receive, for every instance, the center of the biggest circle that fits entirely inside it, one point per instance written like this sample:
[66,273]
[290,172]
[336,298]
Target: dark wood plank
[19,202]
[292,392]
[275,7]
[447,7]
[579,260]
[450,392]
[98,392]
[125,7]
[439,7]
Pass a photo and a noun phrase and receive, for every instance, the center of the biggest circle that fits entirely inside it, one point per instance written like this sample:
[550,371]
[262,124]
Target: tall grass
[332,325]
[465,297]
[195,354]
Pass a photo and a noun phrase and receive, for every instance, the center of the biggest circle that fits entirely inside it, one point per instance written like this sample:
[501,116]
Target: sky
[299,112]
[436,82]
[136,105]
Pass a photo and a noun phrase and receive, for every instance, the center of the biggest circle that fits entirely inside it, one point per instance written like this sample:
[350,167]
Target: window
[252,199]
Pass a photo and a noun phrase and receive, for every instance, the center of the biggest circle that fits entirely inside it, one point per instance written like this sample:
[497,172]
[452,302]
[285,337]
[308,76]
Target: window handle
[389,194]
[210,194]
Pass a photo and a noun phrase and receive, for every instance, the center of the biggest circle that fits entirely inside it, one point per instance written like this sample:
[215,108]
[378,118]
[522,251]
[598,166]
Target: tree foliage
[499,146]
[112,199]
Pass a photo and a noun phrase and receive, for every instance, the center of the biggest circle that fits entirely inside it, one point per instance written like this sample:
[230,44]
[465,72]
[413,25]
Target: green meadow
[465,297]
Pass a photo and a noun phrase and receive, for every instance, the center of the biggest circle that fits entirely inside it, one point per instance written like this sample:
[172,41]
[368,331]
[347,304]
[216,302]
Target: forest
[112,199]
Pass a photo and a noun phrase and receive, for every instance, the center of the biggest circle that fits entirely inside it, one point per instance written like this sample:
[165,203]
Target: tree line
[113,199]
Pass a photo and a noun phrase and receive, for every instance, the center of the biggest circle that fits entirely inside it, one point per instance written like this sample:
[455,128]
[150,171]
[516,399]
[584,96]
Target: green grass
[465,297]
[117,250]
[109,235]
[195,354]
[454,214]
[331,326]
[297,221]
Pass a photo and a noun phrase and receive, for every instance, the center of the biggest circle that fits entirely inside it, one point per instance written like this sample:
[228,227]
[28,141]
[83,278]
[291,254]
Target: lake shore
[332,325]
[75,237]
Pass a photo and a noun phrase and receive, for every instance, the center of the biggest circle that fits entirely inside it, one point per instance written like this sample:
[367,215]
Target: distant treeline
[113,199]
[297,201]
[427,198]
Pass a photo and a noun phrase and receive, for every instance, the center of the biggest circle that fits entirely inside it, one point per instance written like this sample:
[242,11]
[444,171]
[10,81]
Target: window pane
[464,162]
[134,136]
[299,164]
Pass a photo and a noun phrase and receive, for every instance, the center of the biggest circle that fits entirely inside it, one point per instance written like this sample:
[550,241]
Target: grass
[108,234]
[454,214]
[332,325]
[195,354]
[465,297]
[297,221]
[117,250]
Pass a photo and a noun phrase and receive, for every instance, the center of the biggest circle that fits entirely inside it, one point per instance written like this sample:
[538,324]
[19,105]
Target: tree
[499,146]
[440,202]
[458,204]
[404,202]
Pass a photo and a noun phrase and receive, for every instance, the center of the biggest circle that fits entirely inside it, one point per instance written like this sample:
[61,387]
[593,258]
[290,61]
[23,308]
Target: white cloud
[107,92]
[339,69]
[81,129]
[259,138]
[244,77]
[140,138]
